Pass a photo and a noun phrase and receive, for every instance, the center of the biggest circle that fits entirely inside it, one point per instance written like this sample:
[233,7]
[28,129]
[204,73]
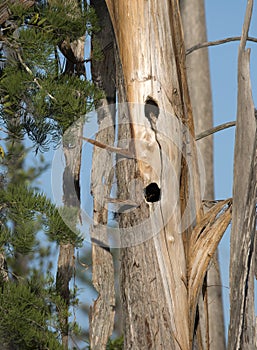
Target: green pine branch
[33,88]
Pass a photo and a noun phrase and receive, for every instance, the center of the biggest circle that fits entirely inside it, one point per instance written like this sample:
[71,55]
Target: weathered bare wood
[203,243]
[65,269]
[71,198]
[153,273]
[75,59]
[103,74]
[214,129]
[74,51]
[193,17]
[242,321]
[102,312]
[145,326]
[118,150]
[217,42]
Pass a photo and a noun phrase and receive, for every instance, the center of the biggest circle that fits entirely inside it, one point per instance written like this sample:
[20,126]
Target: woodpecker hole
[151,107]
[152,193]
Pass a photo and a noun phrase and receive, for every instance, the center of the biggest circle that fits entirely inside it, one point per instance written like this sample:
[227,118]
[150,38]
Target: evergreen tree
[40,97]
[33,86]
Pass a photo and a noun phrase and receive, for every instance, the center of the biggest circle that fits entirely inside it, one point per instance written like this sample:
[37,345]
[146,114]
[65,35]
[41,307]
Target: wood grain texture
[203,244]
[153,272]
[103,74]
[242,332]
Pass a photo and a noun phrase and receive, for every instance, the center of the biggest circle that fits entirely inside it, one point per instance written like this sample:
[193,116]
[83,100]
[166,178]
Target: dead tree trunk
[154,275]
[194,27]
[242,328]
[66,259]
[103,75]
[158,180]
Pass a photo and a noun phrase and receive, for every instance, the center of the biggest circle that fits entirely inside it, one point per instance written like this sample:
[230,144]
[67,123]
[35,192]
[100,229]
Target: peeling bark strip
[203,244]
[153,273]
[103,74]
[242,328]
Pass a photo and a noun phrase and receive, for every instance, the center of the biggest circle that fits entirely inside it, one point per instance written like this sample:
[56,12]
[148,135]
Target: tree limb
[217,42]
[118,150]
[214,129]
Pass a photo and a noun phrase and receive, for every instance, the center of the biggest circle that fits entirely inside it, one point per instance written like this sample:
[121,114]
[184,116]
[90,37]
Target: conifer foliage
[43,90]
[33,85]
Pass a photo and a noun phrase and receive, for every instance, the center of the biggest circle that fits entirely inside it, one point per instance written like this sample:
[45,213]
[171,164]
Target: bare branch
[118,150]
[217,42]
[214,129]
[246,26]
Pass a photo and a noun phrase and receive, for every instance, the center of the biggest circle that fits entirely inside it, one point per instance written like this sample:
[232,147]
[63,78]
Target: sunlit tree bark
[153,271]
[242,327]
